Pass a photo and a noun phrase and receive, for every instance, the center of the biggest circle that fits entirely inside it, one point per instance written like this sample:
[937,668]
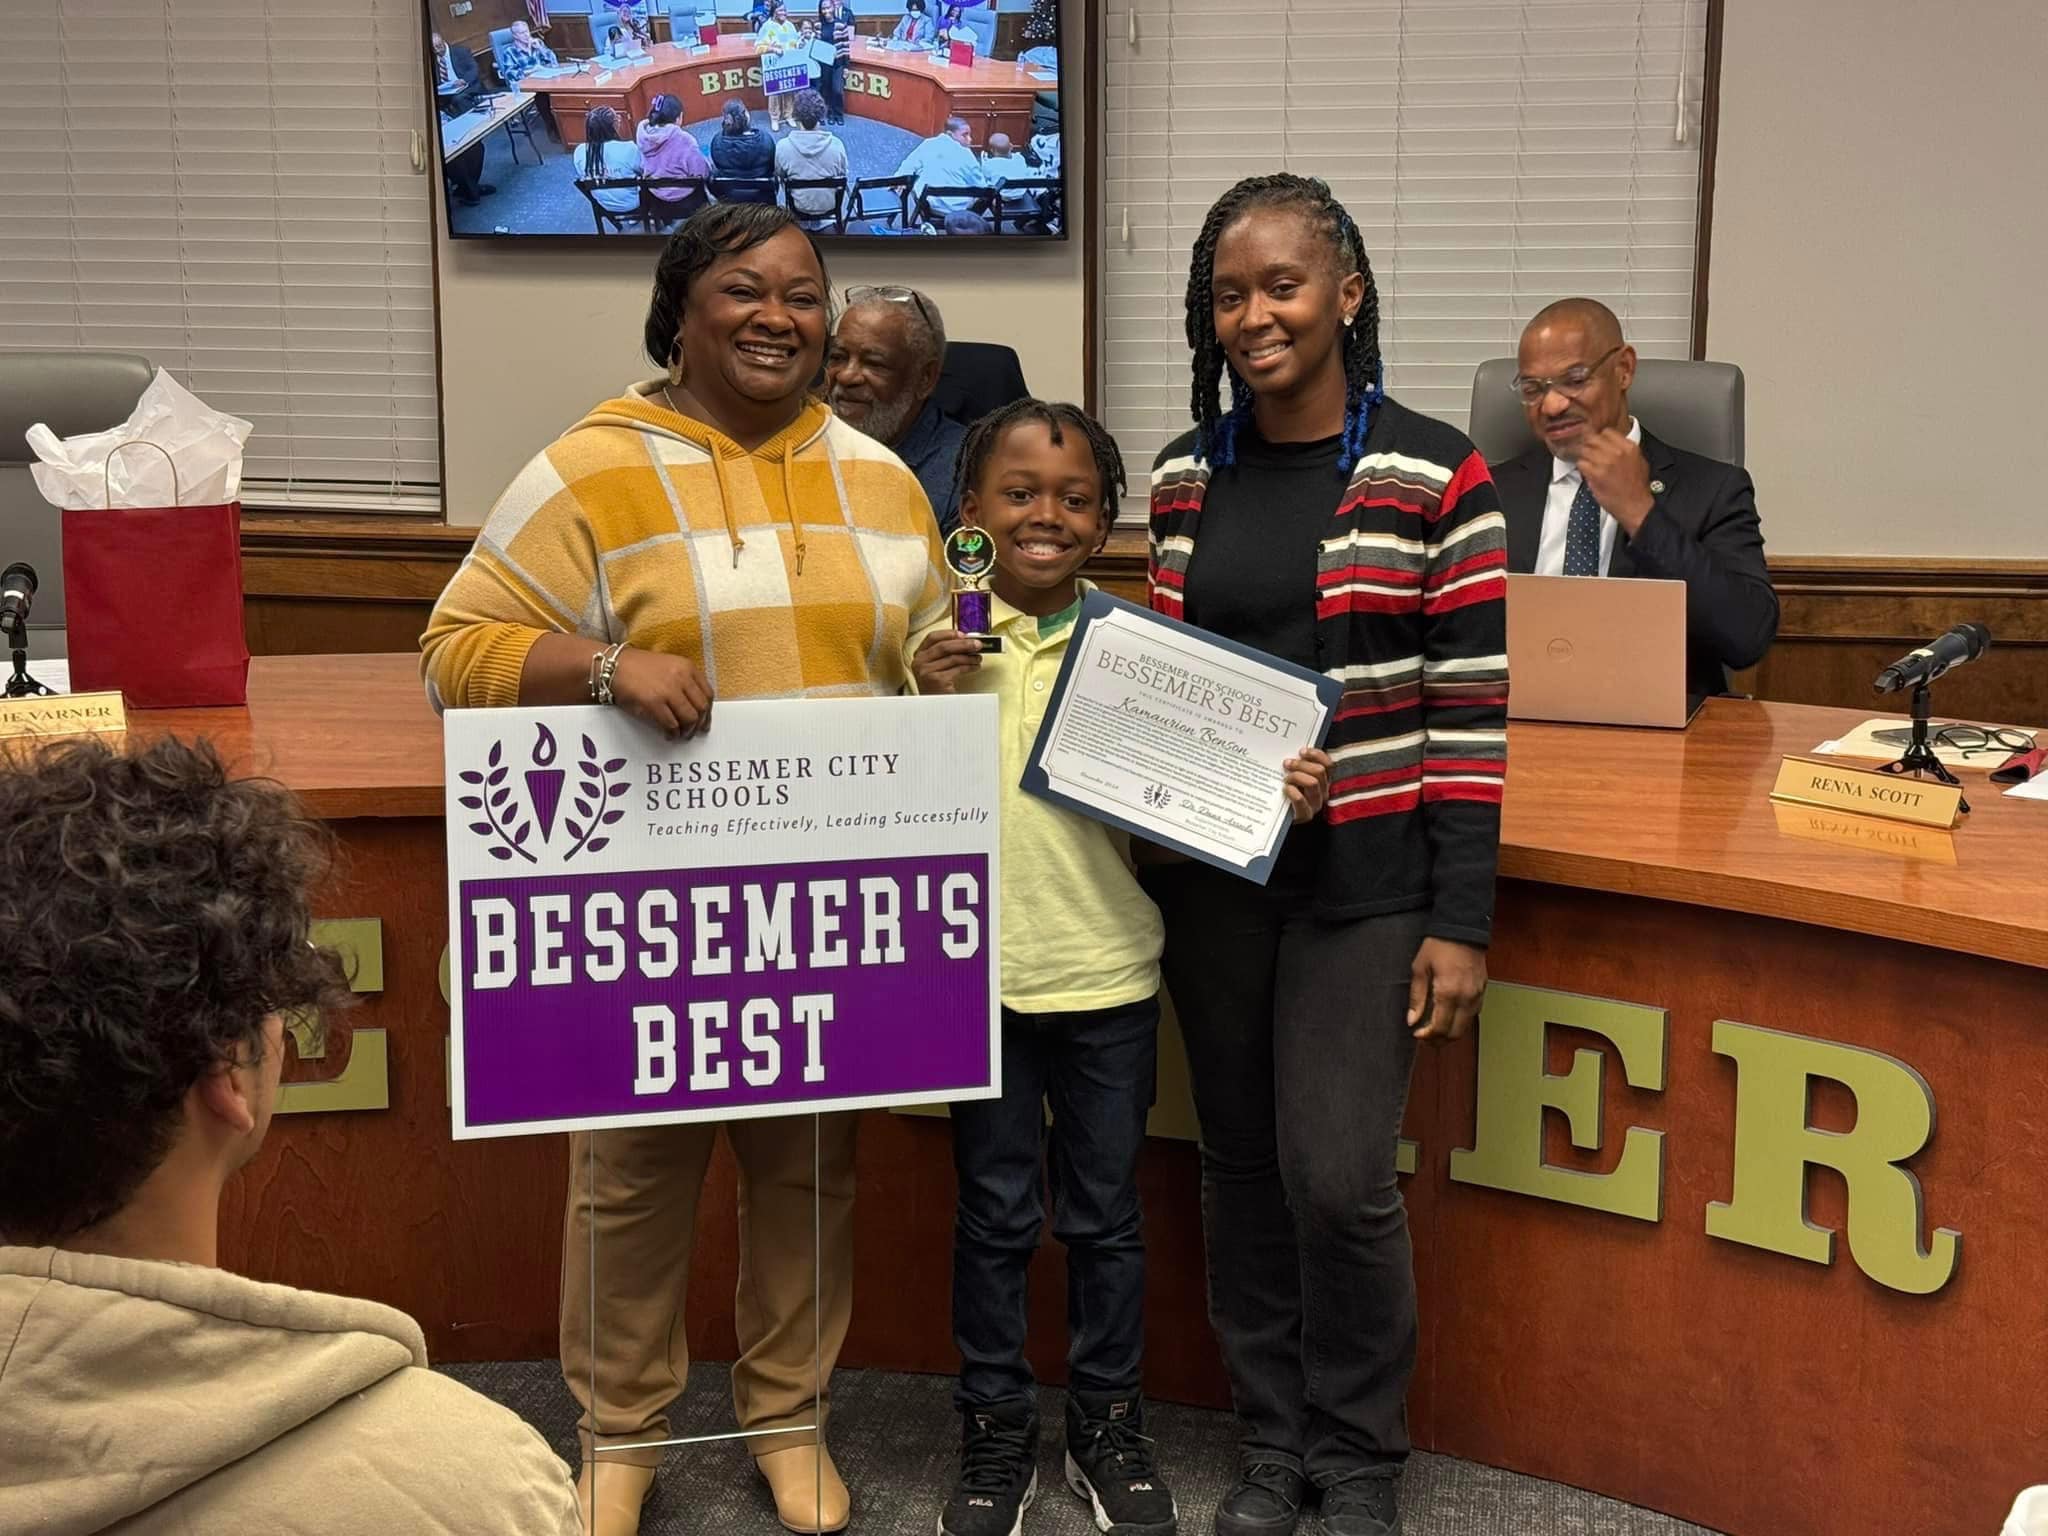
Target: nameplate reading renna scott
[792,913]
[1867,792]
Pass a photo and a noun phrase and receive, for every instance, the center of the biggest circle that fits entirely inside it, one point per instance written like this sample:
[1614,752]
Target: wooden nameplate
[63,714]
[1832,786]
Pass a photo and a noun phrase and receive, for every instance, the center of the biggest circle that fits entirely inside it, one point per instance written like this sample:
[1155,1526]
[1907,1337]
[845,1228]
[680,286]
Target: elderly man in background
[523,54]
[880,372]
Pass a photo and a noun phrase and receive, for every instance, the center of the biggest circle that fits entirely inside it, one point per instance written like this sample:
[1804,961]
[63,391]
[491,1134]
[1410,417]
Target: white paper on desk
[54,674]
[2035,788]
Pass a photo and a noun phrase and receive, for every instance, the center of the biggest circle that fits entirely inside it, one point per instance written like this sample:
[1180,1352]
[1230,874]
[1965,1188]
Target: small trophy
[970,556]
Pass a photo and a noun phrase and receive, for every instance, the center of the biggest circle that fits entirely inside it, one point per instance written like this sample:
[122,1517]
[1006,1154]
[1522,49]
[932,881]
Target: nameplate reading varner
[1924,802]
[63,714]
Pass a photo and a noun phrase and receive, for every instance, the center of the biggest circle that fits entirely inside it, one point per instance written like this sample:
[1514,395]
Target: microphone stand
[21,685]
[1920,756]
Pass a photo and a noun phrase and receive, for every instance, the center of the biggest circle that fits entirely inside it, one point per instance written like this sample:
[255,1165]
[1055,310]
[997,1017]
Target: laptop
[1598,650]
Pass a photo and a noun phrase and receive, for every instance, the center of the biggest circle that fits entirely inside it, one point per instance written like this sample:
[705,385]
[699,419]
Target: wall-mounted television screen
[872,119]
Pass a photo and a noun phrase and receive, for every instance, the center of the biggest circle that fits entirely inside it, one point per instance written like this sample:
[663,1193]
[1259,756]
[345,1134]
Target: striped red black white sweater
[1411,617]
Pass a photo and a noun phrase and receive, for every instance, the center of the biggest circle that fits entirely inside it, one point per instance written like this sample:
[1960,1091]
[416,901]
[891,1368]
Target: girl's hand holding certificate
[1308,783]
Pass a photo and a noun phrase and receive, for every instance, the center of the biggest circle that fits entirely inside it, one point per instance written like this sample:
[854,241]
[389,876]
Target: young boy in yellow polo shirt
[1080,953]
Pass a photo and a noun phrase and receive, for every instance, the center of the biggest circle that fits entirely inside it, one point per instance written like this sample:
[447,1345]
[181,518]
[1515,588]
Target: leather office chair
[1692,405]
[981,21]
[978,377]
[70,393]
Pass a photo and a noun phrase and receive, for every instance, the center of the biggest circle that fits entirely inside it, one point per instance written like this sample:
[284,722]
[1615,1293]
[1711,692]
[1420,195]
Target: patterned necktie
[1582,535]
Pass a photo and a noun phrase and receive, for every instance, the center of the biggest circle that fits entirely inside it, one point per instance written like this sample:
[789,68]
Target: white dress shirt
[1557,514]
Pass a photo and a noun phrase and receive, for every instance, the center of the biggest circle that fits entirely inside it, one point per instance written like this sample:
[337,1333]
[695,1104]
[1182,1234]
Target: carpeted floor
[895,1438]
[543,200]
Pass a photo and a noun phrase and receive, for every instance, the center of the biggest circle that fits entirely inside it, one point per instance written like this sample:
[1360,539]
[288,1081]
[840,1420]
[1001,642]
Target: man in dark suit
[457,84]
[1600,496]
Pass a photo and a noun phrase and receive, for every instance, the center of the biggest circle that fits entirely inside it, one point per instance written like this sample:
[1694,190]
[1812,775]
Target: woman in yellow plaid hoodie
[716,533]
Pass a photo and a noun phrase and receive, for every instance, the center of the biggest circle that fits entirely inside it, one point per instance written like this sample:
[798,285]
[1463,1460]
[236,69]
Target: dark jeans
[1096,1069]
[832,86]
[1299,1052]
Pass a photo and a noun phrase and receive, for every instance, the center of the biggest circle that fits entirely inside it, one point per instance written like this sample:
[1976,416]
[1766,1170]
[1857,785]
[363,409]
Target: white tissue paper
[2029,1515]
[204,468]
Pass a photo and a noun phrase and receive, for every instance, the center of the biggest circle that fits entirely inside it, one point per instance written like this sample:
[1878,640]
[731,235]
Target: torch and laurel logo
[517,816]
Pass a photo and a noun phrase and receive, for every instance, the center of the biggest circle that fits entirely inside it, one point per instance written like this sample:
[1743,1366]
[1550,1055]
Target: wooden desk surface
[985,74]
[1680,816]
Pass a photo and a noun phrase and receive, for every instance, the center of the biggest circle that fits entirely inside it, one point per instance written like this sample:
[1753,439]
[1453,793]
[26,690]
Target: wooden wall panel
[1844,620]
[335,586]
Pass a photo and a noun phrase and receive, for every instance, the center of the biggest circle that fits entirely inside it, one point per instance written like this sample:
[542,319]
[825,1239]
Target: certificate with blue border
[1177,735]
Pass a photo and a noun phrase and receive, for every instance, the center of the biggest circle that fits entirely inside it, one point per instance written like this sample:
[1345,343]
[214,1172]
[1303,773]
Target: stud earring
[1347,321]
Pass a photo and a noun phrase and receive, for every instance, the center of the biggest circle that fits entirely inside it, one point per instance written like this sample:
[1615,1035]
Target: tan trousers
[645,1211]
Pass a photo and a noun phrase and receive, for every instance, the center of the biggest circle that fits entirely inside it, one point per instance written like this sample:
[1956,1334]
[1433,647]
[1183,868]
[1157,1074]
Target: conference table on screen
[491,112]
[903,89]
[1647,881]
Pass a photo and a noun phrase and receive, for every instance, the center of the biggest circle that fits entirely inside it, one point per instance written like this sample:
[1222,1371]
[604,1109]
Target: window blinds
[227,187]
[1496,156]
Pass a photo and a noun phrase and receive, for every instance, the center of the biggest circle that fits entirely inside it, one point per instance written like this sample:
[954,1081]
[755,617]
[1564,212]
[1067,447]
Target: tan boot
[621,1488]
[808,1493]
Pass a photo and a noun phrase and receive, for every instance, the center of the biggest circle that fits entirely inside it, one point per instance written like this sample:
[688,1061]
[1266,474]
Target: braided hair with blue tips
[1217,430]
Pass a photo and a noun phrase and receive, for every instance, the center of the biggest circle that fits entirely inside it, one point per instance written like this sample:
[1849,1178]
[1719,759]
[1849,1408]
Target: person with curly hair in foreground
[154,930]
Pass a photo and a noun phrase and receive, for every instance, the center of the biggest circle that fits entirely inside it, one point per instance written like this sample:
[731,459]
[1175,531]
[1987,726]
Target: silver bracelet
[606,668]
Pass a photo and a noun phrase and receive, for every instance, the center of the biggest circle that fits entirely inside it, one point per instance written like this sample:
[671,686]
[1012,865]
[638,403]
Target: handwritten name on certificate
[1177,736]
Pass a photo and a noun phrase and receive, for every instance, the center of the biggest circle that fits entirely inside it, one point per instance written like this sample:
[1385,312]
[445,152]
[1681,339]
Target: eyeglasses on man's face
[1571,383]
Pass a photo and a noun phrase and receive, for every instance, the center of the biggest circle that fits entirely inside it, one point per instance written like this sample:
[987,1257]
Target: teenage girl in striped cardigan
[1318,520]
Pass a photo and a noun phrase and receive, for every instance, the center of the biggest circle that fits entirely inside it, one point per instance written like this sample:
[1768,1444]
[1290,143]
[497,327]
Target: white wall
[534,335]
[1880,270]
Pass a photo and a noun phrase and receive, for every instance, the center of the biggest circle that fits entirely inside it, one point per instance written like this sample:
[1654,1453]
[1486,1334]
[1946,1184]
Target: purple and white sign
[795,912]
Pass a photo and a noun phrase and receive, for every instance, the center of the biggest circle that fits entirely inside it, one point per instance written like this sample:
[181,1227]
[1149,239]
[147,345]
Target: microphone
[1916,669]
[17,592]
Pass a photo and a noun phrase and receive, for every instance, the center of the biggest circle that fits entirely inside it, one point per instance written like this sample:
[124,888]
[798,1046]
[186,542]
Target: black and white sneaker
[998,1474]
[1109,1465]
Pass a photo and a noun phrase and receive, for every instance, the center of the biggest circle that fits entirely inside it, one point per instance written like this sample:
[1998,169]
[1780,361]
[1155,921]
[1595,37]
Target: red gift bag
[961,53]
[153,604]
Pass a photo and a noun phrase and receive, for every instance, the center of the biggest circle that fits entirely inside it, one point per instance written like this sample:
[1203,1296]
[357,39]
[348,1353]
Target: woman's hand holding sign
[668,692]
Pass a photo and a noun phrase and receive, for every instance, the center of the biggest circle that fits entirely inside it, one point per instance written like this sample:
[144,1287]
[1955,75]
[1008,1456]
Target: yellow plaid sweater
[799,570]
